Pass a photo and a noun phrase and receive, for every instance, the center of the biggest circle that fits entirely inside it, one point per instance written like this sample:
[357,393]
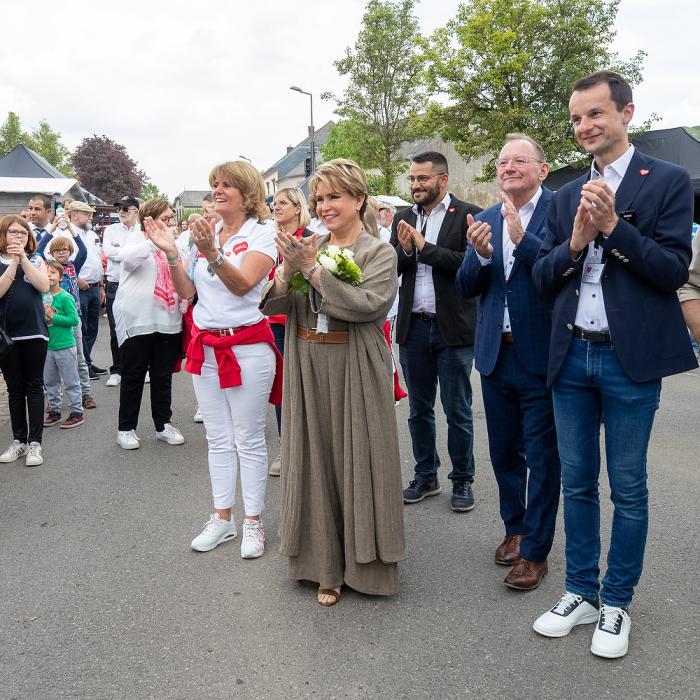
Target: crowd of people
[567,304]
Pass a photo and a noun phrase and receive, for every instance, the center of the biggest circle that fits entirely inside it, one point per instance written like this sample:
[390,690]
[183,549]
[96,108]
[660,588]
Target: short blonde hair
[296,197]
[248,181]
[60,242]
[342,175]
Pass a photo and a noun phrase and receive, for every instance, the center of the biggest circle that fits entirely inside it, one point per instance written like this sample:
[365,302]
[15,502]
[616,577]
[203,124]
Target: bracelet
[177,257]
[280,278]
[174,265]
[218,261]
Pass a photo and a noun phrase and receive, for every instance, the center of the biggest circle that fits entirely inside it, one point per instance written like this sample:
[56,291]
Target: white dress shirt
[590,313]
[91,271]
[525,213]
[424,291]
[114,238]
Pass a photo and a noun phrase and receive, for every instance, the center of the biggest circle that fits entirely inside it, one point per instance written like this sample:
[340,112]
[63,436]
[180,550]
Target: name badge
[592,272]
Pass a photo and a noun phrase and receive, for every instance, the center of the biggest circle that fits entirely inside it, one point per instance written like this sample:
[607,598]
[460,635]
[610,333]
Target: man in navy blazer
[512,344]
[617,249]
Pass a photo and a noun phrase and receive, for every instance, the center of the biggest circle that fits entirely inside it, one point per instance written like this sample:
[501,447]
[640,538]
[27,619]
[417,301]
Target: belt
[113,284]
[424,316]
[332,337]
[222,332]
[93,284]
[592,336]
[507,337]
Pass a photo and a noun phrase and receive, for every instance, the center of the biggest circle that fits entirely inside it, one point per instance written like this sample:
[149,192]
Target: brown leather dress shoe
[508,552]
[526,575]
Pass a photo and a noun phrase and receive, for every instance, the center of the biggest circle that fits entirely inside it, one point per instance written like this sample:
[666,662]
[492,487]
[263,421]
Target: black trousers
[23,369]
[155,353]
[110,293]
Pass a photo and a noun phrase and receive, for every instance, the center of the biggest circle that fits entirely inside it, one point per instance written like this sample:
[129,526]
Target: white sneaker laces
[34,450]
[252,529]
[610,618]
[212,524]
[565,601]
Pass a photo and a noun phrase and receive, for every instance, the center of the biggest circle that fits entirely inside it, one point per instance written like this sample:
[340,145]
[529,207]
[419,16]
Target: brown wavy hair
[248,181]
[153,207]
[30,245]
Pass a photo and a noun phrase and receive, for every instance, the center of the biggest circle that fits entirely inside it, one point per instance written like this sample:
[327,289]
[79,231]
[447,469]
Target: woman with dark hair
[231,356]
[23,280]
[342,512]
[291,216]
[148,321]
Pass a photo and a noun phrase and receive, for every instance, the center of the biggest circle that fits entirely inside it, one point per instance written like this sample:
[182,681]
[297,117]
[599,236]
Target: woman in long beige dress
[342,512]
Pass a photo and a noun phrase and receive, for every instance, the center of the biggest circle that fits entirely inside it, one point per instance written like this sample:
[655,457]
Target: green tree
[380,107]
[47,143]
[151,190]
[11,134]
[509,65]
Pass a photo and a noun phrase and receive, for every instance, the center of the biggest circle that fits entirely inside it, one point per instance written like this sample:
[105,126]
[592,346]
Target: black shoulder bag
[6,343]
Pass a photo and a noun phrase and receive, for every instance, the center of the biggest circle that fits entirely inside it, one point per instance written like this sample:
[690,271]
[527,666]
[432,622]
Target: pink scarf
[164,291]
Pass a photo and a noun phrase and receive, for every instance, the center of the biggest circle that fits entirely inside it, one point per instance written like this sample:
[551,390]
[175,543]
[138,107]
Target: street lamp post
[311,128]
[246,158]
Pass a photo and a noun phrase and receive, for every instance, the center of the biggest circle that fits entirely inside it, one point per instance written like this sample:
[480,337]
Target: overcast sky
[184,85]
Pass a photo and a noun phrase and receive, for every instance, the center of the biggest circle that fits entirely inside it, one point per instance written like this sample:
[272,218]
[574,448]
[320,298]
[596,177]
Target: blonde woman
[291,216]
[232,355]
[342,515]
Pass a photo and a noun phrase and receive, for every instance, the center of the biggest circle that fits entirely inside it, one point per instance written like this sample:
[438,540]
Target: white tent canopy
[38,185]
[393,200]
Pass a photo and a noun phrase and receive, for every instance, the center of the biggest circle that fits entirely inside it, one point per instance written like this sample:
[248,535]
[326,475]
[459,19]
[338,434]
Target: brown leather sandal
[328,591]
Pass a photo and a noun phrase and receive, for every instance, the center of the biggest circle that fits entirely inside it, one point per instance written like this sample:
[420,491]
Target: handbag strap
[6,298]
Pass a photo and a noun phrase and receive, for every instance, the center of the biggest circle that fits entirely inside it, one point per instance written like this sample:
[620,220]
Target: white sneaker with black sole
[611,636]
[253,542]
[569,611]
[216,530]
[128,440]
[170,434]
[197,418]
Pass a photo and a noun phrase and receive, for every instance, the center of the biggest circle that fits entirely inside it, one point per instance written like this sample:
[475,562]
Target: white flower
[328,262]
[347,254]
[332,250]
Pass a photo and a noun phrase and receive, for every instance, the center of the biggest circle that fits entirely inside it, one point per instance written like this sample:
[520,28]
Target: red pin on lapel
[451,210]
[643,171]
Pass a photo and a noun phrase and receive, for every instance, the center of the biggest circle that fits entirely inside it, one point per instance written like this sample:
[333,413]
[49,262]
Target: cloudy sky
[184,85]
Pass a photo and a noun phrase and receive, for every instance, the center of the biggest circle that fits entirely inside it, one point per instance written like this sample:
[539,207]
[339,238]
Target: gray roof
[192,199]
[290,160]
[23,162]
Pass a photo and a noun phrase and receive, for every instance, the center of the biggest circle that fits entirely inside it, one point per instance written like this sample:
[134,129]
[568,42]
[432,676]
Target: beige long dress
[342,510]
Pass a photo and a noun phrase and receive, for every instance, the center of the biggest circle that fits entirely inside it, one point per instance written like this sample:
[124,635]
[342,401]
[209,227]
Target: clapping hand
[15,248]
[512,217]
[298,255]
[203,238]
[583,233]
[160,235]
[479,236]
[598,199]
[408,237]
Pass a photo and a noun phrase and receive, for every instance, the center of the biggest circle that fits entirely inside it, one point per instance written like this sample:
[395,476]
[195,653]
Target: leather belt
[423,316]
[332,337]
[592,336]
[507,337]
[222,332]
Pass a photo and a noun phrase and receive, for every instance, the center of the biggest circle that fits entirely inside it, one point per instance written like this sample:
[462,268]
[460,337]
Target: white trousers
[235,423]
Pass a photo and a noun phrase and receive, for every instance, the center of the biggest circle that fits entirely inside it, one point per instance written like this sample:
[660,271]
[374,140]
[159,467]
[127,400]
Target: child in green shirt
[61,358]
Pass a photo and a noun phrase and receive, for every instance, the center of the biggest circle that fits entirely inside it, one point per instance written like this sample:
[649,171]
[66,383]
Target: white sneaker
[170,434]
[275,467]
[214,533]
[612,632]
[253,542]
[570,610]
[34,457]
[197,418]
[147,380]
[128,439]
[114,380]
[16,450]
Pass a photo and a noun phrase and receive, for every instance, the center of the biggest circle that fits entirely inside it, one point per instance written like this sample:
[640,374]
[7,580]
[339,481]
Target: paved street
[101,596]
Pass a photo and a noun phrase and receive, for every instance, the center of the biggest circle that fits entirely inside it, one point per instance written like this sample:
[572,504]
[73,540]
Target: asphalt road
[101,596]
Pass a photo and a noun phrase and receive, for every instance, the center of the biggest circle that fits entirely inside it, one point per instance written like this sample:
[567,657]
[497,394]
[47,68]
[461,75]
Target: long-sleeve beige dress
[342,509]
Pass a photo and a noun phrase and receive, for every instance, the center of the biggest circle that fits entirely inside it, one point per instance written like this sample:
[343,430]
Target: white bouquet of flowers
[338,261]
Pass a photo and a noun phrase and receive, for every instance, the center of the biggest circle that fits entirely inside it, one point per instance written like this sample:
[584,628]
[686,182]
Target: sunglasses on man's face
[127,209]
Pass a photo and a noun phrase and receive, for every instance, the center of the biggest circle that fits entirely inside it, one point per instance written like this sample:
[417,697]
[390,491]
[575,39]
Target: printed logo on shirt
[240,247]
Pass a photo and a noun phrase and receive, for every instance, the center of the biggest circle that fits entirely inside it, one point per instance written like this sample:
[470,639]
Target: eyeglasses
[17,232]
[169,220]
[62,250]
[520,161]
[126,209]
[422,179]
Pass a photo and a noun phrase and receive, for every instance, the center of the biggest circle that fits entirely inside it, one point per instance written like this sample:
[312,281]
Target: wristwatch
[308,275]
[218,261]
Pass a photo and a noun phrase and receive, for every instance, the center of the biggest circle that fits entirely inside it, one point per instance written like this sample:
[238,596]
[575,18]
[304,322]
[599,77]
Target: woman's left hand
[203,237]
[17,249]
[299,254]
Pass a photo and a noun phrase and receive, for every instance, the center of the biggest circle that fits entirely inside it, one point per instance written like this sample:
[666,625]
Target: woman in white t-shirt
[231,355]
[148,322]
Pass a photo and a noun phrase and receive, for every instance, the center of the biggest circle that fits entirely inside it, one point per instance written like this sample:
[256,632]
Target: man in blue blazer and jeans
[617,249]
[512,344]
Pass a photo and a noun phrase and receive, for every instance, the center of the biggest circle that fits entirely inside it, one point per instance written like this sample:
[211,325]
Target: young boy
[61,359]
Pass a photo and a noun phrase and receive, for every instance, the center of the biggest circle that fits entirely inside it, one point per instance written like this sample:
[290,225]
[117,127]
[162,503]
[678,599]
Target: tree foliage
[105,168]
[44,140]
[509,65]
[150,190]
[380,107]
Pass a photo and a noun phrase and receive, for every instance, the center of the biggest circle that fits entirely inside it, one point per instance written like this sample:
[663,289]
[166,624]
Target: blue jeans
[425,360]
[90,317]
[592,387]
